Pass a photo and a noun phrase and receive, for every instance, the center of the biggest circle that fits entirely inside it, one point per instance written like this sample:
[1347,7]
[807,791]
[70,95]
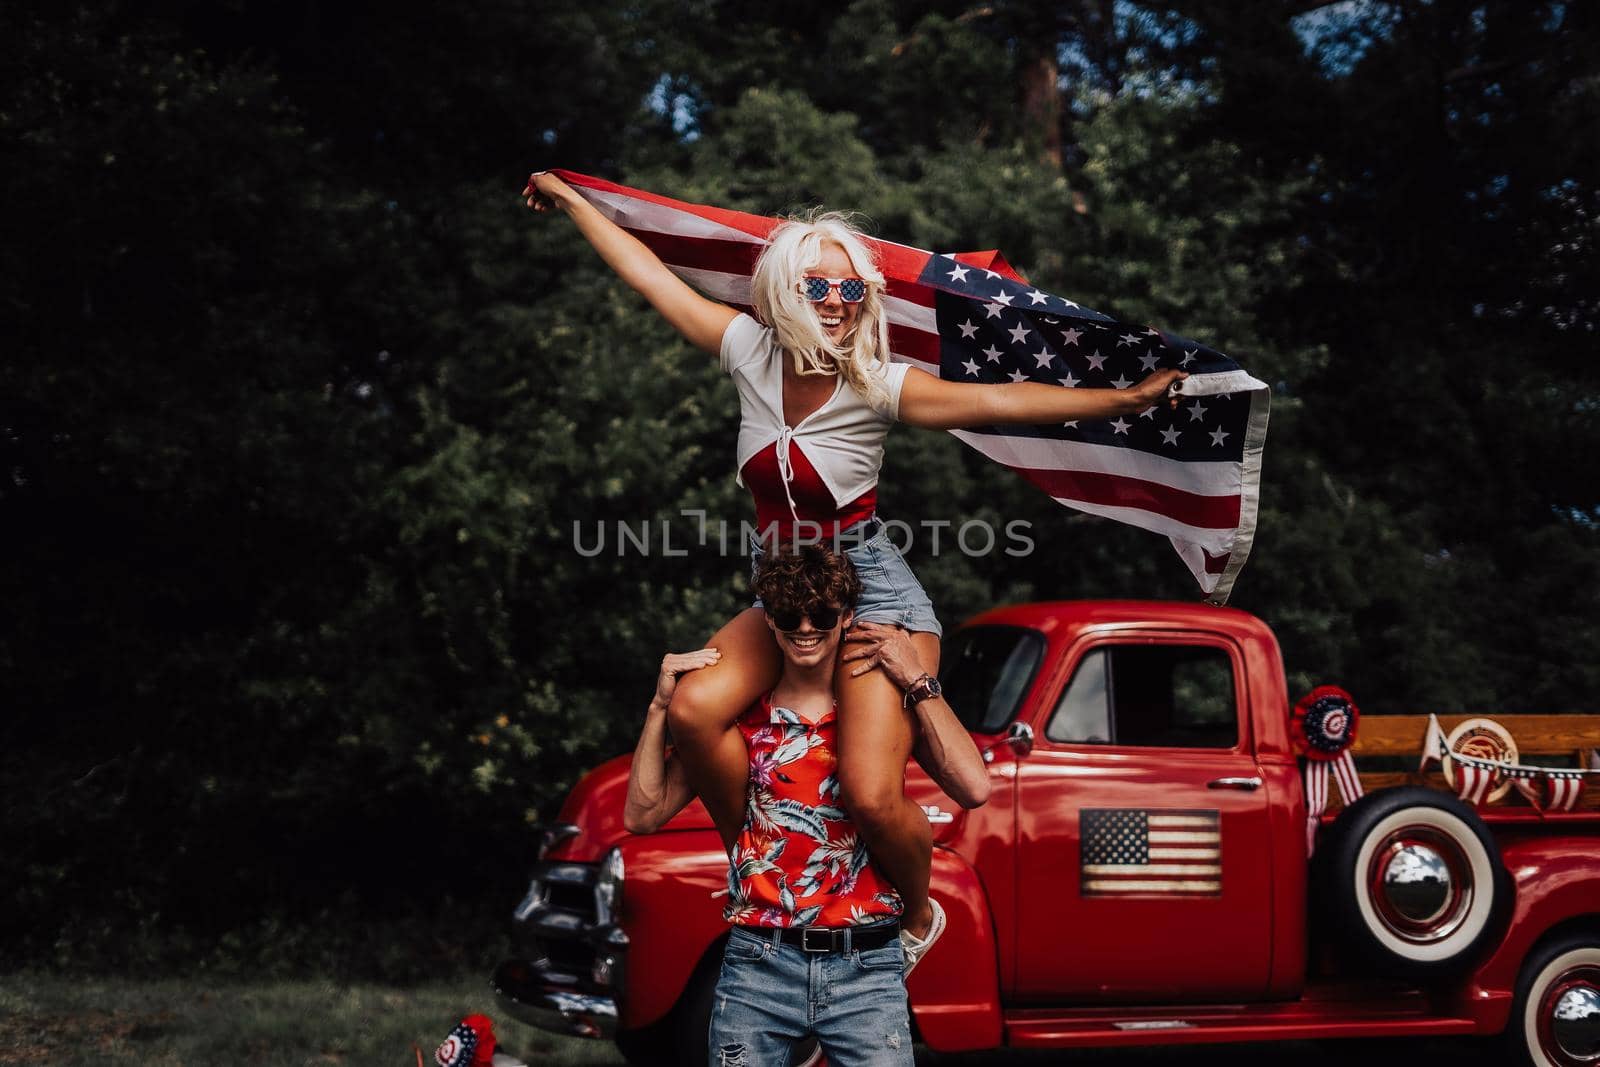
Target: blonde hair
[794,248]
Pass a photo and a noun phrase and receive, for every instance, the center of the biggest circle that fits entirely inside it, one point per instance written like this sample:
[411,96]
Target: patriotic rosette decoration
[1323,725]
[470,1044]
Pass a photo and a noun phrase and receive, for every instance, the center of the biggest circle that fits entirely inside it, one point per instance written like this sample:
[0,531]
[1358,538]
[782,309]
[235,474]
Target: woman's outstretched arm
[940,405]
[701,321]
[657,787]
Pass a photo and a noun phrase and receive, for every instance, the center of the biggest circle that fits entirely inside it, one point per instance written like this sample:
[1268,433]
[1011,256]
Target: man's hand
[889,647]
[675,663]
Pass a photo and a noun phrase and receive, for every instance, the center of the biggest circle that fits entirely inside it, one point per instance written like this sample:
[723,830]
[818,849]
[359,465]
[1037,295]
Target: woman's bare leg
[876,732]
[708,703]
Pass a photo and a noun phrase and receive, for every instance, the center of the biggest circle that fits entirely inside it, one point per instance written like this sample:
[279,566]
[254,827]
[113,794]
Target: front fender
[955,990]
[1556,879]
[669,916]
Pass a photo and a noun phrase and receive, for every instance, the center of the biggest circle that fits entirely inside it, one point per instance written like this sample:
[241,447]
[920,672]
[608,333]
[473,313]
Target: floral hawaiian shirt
[798,861]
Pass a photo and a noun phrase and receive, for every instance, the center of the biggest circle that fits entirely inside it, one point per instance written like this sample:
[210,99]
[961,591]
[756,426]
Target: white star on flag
[968,329]
[1128,339]
[1003,298]
[1217,437]
[993,353]
[1038,297]
[1148,363]
[1070,337]
[1097,361]
[971,367]
[959,274]
[1121,383]
[1069,381]
[1018,376]
[1169,436]
[1043,357]
[1018,332]
[1121,426]
[993,310]
[1197,412]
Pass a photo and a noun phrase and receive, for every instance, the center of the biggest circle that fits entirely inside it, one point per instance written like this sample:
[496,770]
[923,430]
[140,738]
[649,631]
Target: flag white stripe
[1154,868]
[719,285]
[1216,541]
[1185,853]
[1095,885]
[1172,822]
[1175,837]
[1205,478]
[903,312]
[636,214]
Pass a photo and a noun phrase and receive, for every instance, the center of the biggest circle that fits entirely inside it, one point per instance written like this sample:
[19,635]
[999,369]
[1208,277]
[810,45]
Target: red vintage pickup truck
[1139,876]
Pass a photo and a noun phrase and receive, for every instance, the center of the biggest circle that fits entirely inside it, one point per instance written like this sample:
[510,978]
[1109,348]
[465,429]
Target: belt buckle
[805,939]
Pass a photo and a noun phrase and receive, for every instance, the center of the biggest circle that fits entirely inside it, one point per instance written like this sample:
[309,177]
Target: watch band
[922,689]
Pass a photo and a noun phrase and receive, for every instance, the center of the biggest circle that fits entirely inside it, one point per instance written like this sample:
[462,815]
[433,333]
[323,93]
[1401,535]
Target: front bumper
[525,993]
[571,956]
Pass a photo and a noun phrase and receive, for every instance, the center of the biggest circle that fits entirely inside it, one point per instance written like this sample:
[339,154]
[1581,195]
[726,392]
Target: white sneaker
[917,947]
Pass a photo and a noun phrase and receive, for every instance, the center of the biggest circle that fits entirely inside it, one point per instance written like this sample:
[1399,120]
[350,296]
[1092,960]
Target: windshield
[986,671]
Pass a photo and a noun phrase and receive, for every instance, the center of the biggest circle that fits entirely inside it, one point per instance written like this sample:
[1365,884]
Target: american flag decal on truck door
[1127,851]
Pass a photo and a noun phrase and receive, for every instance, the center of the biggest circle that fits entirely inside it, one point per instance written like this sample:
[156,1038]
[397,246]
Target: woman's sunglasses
[851,290]
[788,619]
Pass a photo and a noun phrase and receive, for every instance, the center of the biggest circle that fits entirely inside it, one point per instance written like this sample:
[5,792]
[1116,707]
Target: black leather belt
[831,938]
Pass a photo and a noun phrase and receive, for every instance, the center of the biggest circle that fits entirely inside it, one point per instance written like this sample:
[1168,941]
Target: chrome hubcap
[1420,883]
[1572,1013]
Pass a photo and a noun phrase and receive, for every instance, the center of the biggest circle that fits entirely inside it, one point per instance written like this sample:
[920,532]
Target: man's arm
[657,787]
[943,747]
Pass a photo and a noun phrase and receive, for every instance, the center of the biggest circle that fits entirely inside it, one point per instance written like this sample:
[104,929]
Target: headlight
[608,888]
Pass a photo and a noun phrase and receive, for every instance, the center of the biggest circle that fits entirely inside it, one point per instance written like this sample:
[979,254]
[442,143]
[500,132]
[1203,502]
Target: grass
[102,1022]
[105,1022]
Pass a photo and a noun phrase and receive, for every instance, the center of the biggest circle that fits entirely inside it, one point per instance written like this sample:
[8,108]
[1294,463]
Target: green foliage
[304,419]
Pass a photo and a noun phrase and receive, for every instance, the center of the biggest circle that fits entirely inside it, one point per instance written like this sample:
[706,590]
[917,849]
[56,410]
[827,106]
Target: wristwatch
[923,688]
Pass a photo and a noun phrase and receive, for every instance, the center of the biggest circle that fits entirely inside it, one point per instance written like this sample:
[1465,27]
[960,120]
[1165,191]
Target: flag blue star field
[1192,474]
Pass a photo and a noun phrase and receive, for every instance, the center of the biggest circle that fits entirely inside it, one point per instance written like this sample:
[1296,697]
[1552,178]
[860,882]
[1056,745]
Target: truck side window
[1084,713]
[1168,696]
[986,671]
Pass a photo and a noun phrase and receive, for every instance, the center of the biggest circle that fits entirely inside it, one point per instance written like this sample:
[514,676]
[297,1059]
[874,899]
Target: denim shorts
[771,995]
[890,593]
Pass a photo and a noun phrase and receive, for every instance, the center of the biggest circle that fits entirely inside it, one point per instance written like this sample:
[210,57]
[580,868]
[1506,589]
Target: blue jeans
[770,995]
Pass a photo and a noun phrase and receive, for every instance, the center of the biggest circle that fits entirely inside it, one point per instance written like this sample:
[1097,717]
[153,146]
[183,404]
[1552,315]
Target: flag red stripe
[916,344]
[1120,491]
[701,253]
[755,225]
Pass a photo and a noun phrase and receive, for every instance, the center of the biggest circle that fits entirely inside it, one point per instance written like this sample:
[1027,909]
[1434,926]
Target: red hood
[595,807]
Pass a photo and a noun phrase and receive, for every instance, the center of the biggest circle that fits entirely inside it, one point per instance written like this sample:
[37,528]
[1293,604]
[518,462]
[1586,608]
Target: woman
[817,393]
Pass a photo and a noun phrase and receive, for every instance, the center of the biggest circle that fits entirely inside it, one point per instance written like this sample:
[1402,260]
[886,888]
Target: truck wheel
[1412,881]
[1555,1019]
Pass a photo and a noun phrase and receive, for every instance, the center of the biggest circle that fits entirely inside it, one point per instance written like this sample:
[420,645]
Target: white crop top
[843,439]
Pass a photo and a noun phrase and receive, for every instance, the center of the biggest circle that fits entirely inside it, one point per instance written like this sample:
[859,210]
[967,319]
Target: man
[816,947]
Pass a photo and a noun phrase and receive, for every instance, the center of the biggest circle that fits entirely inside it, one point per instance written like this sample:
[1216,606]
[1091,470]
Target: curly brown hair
[801,577]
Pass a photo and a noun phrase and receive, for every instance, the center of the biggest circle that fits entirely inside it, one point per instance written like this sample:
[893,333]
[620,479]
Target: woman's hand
[546,192]
[675,663]
[884,646]
[1153,390]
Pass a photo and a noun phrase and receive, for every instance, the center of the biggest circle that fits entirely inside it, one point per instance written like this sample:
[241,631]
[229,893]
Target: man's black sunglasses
[822,617]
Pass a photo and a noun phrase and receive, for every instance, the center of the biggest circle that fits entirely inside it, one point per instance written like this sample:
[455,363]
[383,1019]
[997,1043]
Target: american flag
[1126,851]
[1192,474]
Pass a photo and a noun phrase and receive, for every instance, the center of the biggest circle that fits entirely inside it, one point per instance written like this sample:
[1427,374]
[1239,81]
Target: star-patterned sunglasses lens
[851,290]
[789,620]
